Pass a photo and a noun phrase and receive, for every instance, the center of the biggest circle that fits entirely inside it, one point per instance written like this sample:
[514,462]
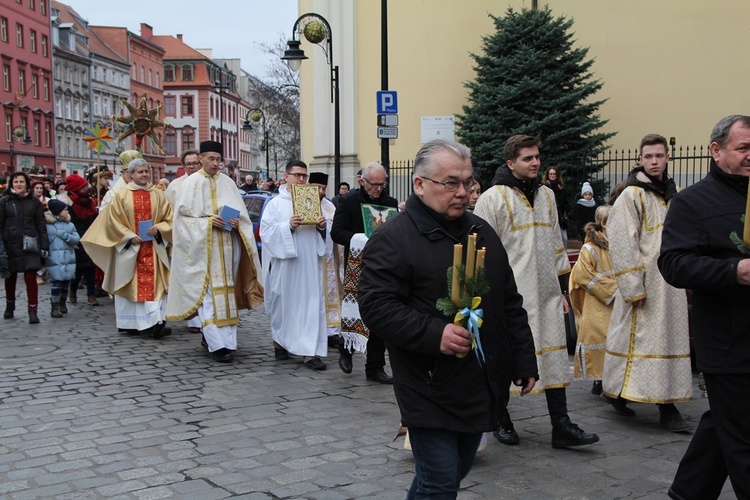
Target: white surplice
[293,280]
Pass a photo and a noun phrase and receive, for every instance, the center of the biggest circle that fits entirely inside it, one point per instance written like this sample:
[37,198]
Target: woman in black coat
[24,233]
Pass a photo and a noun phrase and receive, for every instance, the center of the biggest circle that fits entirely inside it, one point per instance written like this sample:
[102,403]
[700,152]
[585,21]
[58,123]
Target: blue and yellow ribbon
[474,316]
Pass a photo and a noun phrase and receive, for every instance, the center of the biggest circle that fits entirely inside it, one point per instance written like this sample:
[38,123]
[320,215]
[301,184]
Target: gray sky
[232,28]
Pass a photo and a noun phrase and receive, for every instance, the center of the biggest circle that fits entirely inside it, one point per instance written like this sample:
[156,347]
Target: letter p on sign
[387,102]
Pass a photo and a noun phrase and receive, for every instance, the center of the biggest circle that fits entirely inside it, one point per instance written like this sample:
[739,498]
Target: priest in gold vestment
[216,269]
[129,242]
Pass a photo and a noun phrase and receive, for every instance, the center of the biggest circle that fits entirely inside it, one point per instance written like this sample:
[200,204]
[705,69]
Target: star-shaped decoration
[97,138]
[141,122]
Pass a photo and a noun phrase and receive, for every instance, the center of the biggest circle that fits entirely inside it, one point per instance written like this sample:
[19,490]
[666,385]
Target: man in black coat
[703,250]
[447,392]
[348,221]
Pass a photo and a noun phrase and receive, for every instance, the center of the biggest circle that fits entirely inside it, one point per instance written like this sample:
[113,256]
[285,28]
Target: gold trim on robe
[204,254]
[128,268]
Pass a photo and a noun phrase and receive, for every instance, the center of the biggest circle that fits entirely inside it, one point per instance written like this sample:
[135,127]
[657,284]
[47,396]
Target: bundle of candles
[474,260]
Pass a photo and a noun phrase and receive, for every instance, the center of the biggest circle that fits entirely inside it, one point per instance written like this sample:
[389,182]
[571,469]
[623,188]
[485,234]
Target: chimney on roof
[146,31]
[179,36]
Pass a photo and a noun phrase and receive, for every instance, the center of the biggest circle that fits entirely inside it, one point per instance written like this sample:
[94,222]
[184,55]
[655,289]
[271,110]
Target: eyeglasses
[193,164]
[453,185]
[298,175]
[381,185]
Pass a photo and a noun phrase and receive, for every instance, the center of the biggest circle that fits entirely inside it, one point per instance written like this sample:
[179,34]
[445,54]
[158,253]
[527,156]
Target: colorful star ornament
[142,123]
[98,138]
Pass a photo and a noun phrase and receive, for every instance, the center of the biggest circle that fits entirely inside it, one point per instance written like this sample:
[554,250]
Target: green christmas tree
[531,79]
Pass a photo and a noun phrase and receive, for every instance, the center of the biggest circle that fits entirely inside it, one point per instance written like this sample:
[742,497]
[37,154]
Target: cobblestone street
[87,412]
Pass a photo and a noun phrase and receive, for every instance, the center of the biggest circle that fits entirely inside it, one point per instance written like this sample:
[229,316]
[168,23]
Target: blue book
[228,213]
[143,227]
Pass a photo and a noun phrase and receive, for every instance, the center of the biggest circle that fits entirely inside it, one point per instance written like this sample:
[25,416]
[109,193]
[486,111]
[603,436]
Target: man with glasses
[348,222]
[293,268]
[524,214]
[447,394]
[207,279]
[191,163]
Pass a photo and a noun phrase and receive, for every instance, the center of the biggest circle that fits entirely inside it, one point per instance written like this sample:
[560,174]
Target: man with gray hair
[447,394]
[249,184]
[705,249]
[348,223]
[128,241]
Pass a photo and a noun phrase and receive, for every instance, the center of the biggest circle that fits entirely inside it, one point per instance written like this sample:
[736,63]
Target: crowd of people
[363,273]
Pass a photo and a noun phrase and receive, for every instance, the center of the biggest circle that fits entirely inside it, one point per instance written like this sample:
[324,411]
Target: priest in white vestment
[191,162]
[293,268]
[129,242]
[216,271]
[524,215]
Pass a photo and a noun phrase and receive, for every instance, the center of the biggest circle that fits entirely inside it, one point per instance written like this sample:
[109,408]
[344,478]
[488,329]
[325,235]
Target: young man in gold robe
[523,212]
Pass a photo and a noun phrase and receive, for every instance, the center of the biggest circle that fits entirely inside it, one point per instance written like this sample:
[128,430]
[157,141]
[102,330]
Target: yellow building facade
[673,67]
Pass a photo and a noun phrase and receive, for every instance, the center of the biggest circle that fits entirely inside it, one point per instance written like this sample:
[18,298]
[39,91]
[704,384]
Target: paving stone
[115,416]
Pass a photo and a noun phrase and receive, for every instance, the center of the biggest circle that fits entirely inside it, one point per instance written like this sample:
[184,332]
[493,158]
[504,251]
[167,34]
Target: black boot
[506,434]
[33,318]
[566,434]
[55,313]
[63,305]
[10,306]
[345,357]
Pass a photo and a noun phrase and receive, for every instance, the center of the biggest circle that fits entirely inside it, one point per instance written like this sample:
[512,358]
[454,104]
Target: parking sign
[387,102]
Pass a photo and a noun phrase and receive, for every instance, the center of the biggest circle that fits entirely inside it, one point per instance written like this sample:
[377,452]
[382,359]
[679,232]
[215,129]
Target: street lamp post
[220,88]
[315,28]
[19,134]
[256,114]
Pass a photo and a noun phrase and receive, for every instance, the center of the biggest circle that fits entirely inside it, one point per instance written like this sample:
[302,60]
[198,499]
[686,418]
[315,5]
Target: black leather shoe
[222,355]
[596,389]
[566,434]
[380,377]
[345,358]
[280,354]
[315,364]
[621,406]
[507,435]
[674,422]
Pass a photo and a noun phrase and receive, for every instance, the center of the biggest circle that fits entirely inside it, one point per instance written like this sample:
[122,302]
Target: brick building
[26,90]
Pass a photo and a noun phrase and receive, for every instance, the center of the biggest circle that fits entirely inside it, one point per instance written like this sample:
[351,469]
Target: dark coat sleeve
[383,296]
[341,232]
[682,263]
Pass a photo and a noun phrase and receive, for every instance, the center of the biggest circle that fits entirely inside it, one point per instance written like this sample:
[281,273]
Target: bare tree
[278,97]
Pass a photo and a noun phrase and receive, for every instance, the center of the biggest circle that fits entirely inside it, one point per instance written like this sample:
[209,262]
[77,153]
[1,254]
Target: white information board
[438,127]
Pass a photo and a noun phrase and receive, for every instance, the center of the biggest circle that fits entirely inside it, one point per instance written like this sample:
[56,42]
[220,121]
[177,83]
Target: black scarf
[664,187]
[504,177]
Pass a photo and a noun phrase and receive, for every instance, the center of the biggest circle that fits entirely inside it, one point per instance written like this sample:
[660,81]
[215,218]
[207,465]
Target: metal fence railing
[687,165]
